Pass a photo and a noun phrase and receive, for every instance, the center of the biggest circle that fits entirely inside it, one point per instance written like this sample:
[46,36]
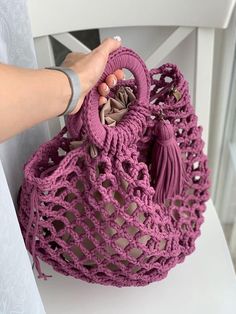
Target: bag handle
[130,125]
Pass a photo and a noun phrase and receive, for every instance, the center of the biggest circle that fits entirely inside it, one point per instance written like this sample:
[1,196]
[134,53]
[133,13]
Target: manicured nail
[111,80]
[118,38]
[103,89]
[119,74]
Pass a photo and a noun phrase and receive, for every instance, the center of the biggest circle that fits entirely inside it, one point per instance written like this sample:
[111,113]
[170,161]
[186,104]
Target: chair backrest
[58,18]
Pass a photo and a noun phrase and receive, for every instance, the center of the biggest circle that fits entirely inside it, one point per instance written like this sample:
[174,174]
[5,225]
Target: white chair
[205,282]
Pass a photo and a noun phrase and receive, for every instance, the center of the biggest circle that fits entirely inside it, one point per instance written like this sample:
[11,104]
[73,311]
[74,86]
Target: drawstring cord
[34,208]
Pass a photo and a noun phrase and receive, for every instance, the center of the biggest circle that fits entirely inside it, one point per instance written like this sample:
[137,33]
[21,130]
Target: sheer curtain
[18,290]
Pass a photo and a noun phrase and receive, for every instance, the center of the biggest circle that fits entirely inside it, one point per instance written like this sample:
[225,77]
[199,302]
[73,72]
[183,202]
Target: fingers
[102,100]
[119,74]
[103,89]
[111,81]
[108,45]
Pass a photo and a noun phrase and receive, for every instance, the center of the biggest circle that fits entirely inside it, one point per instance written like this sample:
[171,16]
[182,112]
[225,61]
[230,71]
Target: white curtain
[18,290]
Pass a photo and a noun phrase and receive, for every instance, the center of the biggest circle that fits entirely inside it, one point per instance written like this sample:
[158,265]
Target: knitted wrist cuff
[75,87]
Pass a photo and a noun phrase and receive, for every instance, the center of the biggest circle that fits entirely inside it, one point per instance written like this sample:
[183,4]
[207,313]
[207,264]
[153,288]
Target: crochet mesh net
[94,218]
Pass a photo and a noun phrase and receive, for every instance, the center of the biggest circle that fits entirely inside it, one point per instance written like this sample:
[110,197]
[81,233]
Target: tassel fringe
[167,168]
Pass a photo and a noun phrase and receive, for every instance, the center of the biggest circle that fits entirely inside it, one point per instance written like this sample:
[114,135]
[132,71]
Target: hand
[30,96]
[90,67]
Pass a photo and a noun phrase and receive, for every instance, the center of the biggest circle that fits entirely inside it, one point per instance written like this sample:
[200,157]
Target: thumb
[109,45]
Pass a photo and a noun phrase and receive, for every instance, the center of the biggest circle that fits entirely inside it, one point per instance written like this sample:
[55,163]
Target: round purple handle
[121,58]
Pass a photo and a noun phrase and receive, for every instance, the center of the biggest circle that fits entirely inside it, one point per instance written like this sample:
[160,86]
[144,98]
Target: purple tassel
[167,170]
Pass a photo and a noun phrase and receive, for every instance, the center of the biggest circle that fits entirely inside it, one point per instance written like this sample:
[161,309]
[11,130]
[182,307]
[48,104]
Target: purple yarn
[96,218]
[167,168]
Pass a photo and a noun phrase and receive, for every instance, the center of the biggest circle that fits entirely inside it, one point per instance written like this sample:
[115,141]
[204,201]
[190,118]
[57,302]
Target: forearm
[28,97]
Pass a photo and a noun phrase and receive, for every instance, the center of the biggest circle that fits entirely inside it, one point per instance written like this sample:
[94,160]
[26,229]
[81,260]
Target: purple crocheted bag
[128,213]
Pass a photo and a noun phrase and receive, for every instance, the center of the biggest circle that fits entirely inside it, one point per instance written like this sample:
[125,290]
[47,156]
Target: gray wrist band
[75,87]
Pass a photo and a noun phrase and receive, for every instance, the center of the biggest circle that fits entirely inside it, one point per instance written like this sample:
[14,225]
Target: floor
[227,231]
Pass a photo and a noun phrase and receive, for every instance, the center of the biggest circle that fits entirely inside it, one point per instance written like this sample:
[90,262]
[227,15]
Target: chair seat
[204,283]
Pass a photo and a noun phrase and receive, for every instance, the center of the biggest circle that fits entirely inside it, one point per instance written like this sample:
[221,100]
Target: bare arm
[28,96]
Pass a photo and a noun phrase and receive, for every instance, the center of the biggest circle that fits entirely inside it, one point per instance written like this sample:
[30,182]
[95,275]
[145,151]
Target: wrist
[59,91]
[75,86]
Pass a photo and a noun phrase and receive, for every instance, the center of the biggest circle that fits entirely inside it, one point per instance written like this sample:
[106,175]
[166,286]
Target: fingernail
[118,38]
[114,82]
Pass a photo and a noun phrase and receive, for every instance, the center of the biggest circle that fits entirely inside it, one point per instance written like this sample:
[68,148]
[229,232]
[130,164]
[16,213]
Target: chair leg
[203,78]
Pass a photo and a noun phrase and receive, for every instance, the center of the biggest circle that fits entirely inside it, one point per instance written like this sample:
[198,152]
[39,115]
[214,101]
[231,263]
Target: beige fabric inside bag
[112,112]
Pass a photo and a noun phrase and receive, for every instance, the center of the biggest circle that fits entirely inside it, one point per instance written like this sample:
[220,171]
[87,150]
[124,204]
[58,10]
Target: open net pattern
[94,218]
[186,210]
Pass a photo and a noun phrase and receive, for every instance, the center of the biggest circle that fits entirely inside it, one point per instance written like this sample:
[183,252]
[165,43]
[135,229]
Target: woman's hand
[30,96]
[90,67]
